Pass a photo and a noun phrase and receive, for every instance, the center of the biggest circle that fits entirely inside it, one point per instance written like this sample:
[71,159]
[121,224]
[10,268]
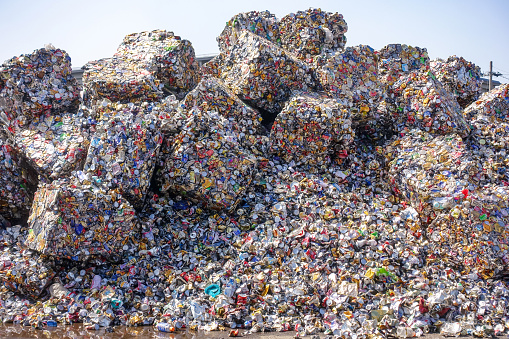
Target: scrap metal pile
[292,183]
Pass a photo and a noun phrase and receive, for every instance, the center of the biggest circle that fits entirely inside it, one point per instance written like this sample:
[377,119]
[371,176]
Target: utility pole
[491,75]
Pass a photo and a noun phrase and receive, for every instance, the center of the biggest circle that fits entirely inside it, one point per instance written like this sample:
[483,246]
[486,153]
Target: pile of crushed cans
[290,184]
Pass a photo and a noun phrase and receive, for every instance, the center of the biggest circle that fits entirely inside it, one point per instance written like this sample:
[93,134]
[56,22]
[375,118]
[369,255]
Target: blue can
[51,323]
[163,327]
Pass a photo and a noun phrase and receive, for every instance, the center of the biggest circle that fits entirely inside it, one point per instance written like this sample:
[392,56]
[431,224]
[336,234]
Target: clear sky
[91,29]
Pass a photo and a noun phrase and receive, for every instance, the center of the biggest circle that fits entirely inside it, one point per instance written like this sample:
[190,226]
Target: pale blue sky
[89,30]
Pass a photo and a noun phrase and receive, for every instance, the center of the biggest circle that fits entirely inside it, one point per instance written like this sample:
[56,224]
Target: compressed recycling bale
[163,110]
[396,60]
[212,95]
[52,145]
[264,24]
[207,164]
[312,32]
[489,144]
[263,74]
[460,77]
[213,67]
[351,75]
[100,80]
[15,194]
[25,273]
[493,104]
[489,140]
[78,220]
[431,172]
[377,124]
[124,148]
[305,243]
[172,117]
[422,102]
[309,128]
[37,83]
[474,232]
[145,65]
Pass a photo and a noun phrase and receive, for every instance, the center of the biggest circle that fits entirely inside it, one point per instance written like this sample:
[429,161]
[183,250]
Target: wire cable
[500,69]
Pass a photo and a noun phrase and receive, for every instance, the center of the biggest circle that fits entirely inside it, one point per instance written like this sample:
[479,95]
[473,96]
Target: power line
[495,74]
[500,69]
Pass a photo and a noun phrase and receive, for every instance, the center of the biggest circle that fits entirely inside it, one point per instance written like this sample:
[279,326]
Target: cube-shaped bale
[489,139]
[263,74]
[475,231]
[52,145]
[100,80]
[351,75]
[312,32]
[493,104]
[15,194]
[422,102]
[396,60]
[431,171]
[124,148]
[212,95]
[26,273]
[309,128]
[207,164]
[489,144]
[145,65]
[213,67]
[264,24]
[79,220]
[37,83]
[460,77]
